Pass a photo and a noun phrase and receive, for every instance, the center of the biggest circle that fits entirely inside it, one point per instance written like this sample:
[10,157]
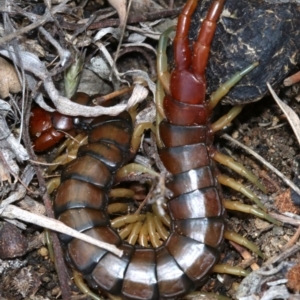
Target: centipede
[182,261]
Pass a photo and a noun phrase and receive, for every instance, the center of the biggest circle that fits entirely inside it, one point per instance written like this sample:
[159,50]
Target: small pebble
[56,291]
[260,224]
[12,242]
[278,231]
[43,252]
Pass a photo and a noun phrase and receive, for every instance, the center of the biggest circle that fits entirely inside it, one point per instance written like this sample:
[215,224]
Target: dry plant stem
[8,140]
[34,162]
[291,116]
[245,254]
[100,15]
[63,53]
[32,64]
[162,3]
[264,174]
[4,162]
[273,270]
[39,22]
[292,79]
[292,240]
[264,162]
[13,212]
[99,100]
[145,201]
[285,219]
[7,167]
[131,19]
[284,255]
[61,32]
[18,194]
[20,191]
[149,59]
[123,24]
[8,29]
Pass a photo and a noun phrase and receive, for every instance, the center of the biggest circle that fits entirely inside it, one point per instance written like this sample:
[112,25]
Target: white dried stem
[290,114]
[14,212]
[32,64]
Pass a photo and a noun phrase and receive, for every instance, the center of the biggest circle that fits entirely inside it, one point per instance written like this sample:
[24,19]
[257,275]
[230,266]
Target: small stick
[100,99]
[292,79]
[14,212]
[282,256]
[293,240]
[285,219]
[245,254]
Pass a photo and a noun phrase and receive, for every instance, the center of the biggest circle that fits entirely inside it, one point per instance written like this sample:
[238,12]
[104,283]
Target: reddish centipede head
[40,120]
[43,127]
[62,122]
[186,87]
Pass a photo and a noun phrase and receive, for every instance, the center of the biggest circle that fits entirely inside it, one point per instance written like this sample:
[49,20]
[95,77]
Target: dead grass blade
[290,114]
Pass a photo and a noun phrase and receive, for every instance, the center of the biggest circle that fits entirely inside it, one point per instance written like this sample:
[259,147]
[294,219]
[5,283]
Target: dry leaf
[33,46]
[4,174]
[9,81]
[290,114]
[120,6]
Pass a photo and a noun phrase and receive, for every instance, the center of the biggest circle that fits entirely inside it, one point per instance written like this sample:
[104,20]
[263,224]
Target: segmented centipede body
[187,256]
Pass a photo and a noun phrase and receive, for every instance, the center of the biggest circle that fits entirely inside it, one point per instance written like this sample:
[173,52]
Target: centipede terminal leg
[237,167]
[225,87]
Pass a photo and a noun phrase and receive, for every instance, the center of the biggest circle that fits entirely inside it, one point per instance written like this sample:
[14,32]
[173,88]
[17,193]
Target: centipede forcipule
[185,259]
